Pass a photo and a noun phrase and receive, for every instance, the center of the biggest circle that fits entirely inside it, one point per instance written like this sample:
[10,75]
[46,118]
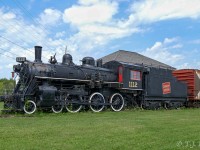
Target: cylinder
[38,54]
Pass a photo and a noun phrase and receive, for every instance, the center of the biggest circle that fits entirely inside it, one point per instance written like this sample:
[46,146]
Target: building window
[135,75]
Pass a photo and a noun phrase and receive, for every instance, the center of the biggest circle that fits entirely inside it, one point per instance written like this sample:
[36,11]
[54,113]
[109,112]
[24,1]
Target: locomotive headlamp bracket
[20,59]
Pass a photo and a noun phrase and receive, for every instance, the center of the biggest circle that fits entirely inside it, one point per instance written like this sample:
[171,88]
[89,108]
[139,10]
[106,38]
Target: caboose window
[135,75]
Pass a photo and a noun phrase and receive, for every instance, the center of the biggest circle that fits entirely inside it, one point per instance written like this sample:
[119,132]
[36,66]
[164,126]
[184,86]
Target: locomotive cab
[131,76]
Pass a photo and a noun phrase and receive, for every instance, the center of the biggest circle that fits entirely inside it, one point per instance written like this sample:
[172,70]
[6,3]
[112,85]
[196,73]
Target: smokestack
[38,54]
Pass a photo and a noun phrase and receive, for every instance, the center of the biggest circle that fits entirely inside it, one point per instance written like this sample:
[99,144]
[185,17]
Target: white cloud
[94,19]
[95,24]
[9,66]
[96,28]
[149,11]
[15,31]
[8,16]
[195,41]
[107,30]
[170,40]
[163,51]
[186,65]
[60,34]
[88,2]
[97,12]
[13,27]
[28,35]
[50,17]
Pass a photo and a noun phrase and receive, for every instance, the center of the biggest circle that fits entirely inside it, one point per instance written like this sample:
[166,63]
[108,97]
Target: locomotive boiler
[93,85]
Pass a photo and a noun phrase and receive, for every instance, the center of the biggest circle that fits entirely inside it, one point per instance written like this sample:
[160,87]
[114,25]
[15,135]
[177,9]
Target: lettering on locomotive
[133,84]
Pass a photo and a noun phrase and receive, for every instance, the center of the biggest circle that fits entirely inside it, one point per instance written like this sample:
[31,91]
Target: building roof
[133,58]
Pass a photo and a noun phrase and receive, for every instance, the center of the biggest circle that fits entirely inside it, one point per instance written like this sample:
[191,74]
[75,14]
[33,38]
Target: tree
[6,86]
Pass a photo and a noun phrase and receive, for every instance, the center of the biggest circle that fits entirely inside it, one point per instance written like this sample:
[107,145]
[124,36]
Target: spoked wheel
[97,102]
[29,107]
[117,102]
[73,103]
[57,107]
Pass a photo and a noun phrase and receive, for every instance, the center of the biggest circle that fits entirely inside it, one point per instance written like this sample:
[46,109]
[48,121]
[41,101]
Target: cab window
[135,75]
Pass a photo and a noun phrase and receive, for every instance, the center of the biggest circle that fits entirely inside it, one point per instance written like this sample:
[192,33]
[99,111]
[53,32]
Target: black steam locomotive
[91,85]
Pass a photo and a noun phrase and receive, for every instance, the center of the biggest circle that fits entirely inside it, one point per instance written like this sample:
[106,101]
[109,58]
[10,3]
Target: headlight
[17,68]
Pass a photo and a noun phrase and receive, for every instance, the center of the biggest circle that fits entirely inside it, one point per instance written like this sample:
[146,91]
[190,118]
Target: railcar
[91,85]
[191,77]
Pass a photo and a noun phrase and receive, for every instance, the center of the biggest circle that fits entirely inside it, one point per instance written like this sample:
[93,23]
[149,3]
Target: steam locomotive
[91,85]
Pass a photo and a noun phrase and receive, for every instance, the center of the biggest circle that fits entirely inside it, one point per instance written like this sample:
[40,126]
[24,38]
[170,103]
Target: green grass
[130,129]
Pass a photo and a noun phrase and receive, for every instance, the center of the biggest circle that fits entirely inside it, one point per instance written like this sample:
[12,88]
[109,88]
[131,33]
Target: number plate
[133,84]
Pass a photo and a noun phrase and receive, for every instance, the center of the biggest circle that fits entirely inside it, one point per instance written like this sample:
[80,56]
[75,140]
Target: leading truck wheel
[97,102]
[117,102]
[29,107]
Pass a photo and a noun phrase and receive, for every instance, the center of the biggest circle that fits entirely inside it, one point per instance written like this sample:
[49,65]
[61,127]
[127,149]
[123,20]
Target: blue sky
[168,31]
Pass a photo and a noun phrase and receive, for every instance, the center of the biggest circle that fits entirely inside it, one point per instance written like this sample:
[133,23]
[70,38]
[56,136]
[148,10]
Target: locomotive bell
[67,59]
[38,54]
